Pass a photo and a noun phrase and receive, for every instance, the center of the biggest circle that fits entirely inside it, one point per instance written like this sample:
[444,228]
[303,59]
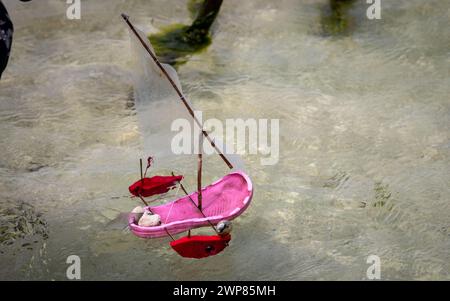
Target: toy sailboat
[212,206]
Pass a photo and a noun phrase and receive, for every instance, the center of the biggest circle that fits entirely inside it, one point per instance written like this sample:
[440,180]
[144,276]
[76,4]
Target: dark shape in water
[335,18]
[177,41]
[6,35]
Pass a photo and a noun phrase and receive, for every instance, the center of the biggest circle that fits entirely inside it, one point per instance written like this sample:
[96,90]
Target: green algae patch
[335,18]
[174,43]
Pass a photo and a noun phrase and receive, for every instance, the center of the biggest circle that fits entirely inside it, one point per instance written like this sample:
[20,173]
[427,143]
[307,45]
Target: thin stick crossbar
[193,202]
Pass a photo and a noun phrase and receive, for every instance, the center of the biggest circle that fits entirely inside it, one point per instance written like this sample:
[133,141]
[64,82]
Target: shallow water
[364,146]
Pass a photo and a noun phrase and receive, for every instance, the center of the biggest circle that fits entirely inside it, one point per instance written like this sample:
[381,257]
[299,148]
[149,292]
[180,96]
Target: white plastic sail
[160,111]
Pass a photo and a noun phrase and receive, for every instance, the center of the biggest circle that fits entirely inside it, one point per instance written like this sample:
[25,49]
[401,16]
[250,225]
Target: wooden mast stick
[199,173]
[182,98]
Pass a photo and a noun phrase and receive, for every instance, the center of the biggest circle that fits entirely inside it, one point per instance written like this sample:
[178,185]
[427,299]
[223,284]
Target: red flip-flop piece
[200,246]
[155,185]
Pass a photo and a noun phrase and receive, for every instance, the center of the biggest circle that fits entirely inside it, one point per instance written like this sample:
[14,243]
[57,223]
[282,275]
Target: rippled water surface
[364,140]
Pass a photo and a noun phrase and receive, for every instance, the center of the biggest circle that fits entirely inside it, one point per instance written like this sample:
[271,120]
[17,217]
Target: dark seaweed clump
[21,223]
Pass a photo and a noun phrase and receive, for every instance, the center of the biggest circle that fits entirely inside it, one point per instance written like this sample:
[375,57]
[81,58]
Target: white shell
[138,209]
[149,220]
[224,227]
